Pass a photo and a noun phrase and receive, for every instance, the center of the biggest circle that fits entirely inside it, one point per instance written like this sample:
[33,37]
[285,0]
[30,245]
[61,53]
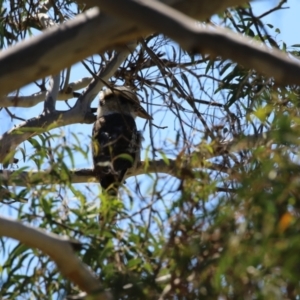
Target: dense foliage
[225,226]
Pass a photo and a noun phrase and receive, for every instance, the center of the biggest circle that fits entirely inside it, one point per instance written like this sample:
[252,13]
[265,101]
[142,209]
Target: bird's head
[121,100]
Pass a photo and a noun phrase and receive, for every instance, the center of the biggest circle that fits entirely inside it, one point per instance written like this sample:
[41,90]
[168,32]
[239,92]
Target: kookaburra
[116,140]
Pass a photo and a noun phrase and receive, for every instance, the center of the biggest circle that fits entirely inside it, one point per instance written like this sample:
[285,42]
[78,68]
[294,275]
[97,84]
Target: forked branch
[80,113]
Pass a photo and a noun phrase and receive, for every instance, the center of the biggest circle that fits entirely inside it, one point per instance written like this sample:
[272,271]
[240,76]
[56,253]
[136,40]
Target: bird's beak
[141,112]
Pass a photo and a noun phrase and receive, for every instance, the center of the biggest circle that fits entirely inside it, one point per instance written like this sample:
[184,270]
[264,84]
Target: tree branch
[34,99]
[172,167]
[60,249]
[200,10]
[80,113]
[51,95]
[196,38]
[84,175]
[58,48]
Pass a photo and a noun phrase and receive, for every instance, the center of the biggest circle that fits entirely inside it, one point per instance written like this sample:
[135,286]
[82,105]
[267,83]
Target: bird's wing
[115,146]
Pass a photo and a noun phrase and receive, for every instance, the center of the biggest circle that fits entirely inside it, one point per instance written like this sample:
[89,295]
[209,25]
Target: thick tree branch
[196,38]
[58,48]
[59,249]
[194,8]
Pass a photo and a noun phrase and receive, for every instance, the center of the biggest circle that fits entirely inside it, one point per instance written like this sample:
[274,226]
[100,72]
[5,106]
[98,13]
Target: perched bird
[116,141]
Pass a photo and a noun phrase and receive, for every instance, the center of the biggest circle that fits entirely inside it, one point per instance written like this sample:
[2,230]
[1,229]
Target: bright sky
[287,20]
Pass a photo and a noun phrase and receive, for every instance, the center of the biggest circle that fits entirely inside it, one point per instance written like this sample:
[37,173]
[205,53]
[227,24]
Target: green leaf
[164,157]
